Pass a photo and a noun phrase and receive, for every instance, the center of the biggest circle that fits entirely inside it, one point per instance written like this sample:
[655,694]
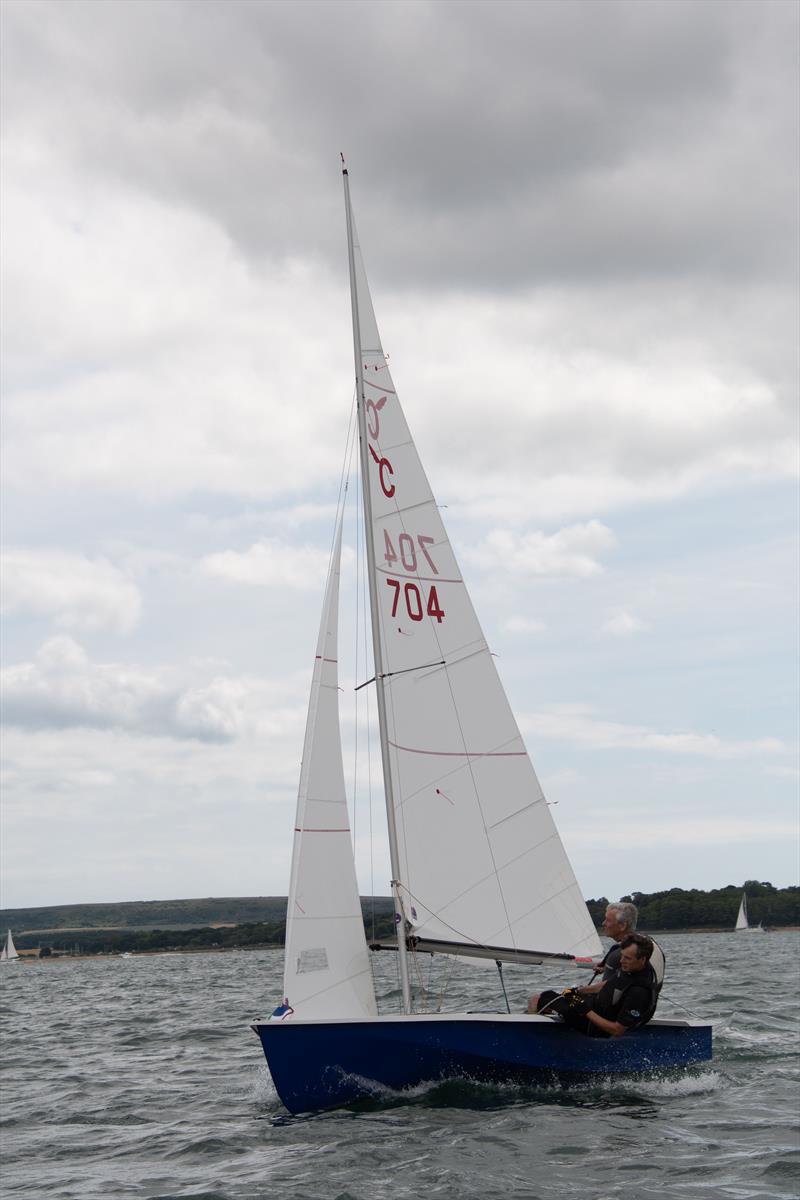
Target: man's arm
[634,1004]
[613,1028]
[590,989]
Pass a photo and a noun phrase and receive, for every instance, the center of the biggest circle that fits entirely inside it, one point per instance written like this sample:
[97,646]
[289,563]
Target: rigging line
[447,976]
[456,662]
[678,1004]
[499,966]
[344,474]
[417,971]
[405,671]
[369,748]
[466,937]
[353,415]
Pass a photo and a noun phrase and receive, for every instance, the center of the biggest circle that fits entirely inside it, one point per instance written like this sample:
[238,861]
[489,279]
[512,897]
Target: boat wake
[477,1094]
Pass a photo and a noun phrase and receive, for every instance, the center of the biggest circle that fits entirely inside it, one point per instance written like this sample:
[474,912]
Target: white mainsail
[480,858]
[9,951]
[741,920]
[326,967]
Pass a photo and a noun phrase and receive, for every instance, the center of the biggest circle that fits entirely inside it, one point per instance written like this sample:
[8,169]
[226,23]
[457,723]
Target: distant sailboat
[477,865]
[9,951]
[742,923]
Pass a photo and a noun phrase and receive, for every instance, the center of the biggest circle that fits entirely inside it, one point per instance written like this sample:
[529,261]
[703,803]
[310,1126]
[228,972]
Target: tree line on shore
[674,909]
[678,908]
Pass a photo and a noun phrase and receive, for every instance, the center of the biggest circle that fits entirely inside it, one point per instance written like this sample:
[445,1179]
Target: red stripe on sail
[379,388]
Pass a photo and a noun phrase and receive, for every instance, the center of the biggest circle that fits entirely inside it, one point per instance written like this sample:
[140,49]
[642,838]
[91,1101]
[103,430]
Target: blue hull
[326,1064]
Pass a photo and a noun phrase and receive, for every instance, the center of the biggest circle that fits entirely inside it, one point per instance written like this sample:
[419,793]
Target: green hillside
[163,914]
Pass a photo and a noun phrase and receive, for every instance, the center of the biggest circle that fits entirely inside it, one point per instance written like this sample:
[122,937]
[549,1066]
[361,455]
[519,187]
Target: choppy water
[139,1077]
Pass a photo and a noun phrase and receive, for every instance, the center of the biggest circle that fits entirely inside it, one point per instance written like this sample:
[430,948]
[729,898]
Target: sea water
[139,1077]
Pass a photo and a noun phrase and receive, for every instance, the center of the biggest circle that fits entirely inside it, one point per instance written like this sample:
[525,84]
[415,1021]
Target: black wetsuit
[628,999]
[609,962]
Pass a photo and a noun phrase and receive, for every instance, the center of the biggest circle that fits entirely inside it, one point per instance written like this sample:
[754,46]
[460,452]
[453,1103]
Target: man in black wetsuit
[619,921]
[627,1000]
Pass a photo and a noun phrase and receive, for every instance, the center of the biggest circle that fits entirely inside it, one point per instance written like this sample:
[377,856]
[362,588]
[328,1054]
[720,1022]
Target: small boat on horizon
[742,924]
[9,952]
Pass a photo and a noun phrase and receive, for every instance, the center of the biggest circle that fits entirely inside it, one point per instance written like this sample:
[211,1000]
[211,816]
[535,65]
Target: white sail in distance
[9,951]
[741,919]
[481,861]
[326,965]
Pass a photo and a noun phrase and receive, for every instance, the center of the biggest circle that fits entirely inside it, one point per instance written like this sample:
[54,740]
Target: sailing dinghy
[477,865]
[9,952]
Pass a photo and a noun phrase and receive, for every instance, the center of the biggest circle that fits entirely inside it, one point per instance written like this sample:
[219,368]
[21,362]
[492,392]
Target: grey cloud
[490,142]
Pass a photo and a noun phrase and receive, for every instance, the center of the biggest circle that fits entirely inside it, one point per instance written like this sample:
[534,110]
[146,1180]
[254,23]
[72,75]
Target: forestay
[327,971]
[480,857]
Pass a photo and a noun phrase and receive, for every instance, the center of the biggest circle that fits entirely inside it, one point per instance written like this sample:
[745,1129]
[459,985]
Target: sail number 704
[413,596]
[417,603]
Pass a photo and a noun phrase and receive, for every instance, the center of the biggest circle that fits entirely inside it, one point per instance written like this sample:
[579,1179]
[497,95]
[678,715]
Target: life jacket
[658,961]
[609,999]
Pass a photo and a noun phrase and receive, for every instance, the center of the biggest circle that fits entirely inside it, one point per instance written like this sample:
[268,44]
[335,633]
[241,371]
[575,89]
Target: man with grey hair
[618,923]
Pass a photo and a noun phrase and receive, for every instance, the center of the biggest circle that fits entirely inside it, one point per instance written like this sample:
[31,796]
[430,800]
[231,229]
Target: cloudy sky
[579,221]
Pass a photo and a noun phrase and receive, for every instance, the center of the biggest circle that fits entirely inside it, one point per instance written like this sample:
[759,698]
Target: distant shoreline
[238,922]
[31,957]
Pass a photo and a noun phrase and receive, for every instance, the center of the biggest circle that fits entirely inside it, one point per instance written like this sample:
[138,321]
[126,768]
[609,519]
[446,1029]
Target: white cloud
[782,772]
[571,551]
[579,726]
[578,340]
[77,592]
[62,689]
[270,562]
[690,831]
[523,625]
[623,623]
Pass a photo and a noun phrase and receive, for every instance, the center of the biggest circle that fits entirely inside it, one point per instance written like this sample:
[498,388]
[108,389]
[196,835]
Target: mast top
[344,164]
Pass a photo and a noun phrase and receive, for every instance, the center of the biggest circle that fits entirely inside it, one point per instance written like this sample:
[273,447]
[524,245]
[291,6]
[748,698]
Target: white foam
[687,1085]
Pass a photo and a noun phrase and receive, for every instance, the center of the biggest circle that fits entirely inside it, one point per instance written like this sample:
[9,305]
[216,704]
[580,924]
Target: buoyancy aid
[658,961]
[610,997]
[609,963]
